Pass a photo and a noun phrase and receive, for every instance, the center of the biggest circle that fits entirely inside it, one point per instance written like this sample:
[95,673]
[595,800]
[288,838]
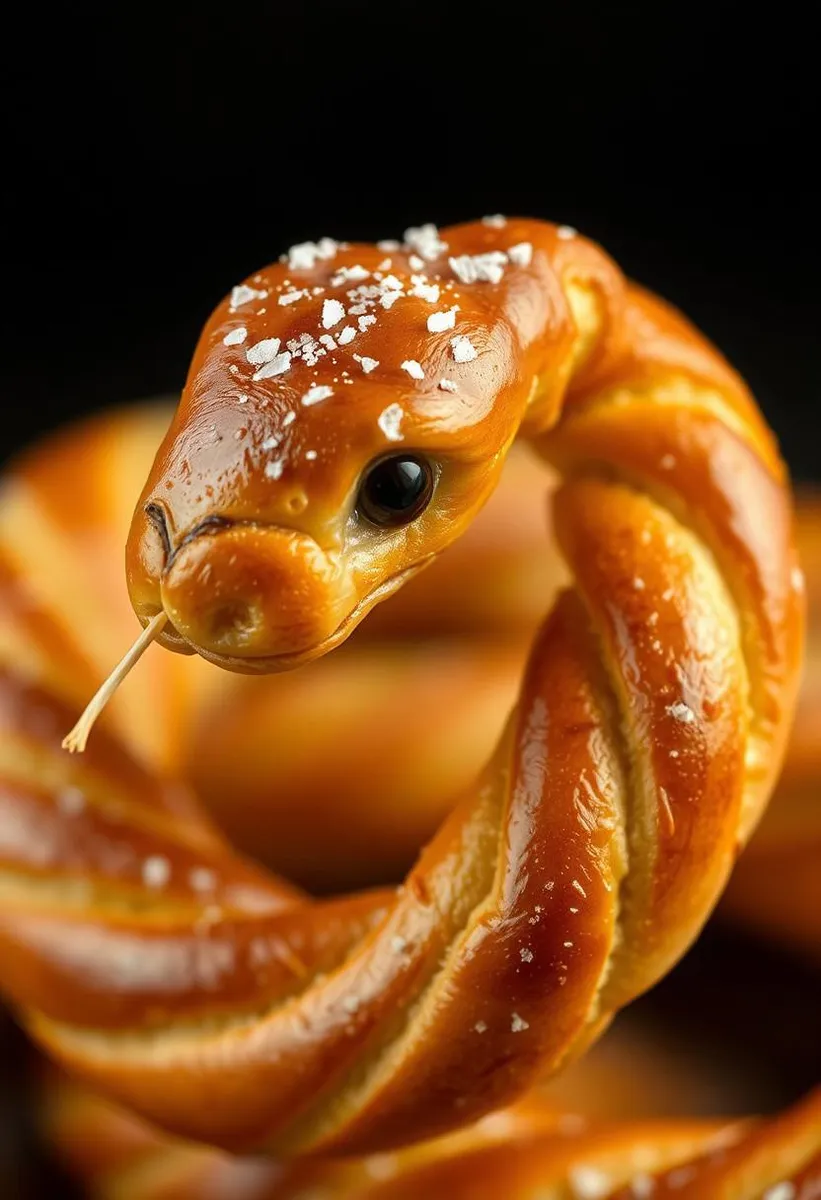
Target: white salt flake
[447,385]
[71,801]
[368,364]
[389,245]
[389,422]
[424,290]
[320,391]
[262,352]
[589,1183]
[236,336]
[438,322]
[385,264]
[425,240]
[277,366]
[495,221]
[270,443]
[413,368]
[304,256]
[416,263]
[480,1027]
[521,254]
[310,455]
[273,470]
[579,888]
[242,294]
[352,274]
[399,944]
[518,1024]
[291,297]
[392,284]
[526,954]
[566,232]
[243,397]
[288,419]
[639,584]
[388,299]
[156,871]
[202,879]
[479,268]
[463,348]
[681,712]
[347,334]
[364,322]
[332,313]
[327,341]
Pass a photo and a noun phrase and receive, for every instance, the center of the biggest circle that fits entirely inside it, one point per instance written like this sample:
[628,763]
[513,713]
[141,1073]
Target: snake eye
[395,490]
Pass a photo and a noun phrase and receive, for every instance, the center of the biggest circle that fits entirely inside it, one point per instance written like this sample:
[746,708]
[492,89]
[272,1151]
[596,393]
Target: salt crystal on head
[242,294]
[332,313]
[518,1024]
[463,348]
[315,394]
[438,322]
[235,337]
[389,422]
[425,240]
[521,254]
[496,221]
[277,366]
[413,368]
[262,352]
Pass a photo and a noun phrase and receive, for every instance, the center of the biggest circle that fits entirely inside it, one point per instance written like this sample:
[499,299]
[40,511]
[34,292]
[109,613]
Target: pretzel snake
[151,960]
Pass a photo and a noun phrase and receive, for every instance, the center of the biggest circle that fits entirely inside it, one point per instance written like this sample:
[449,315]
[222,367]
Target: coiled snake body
[347,413]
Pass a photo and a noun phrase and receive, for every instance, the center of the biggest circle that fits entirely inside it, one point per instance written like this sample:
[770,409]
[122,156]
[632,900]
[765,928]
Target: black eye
[395,490]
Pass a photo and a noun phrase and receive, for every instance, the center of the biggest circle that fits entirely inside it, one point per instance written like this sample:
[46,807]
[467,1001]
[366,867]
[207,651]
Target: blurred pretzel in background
[213,998]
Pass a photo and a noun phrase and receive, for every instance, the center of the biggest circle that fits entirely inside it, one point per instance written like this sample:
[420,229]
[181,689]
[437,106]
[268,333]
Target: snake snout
[247,592]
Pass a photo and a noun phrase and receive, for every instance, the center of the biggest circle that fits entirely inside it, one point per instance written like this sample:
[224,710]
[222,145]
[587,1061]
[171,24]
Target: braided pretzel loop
[530,1150]
[221,1002]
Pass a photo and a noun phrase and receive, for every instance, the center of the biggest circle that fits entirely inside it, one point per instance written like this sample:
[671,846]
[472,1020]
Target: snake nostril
[156,515]
[235,622]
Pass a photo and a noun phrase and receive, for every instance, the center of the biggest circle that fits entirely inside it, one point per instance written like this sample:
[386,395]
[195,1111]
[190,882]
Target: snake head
[346,414]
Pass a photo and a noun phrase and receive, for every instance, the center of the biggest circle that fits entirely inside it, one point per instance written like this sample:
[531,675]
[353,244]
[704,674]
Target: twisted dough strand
[531,1150]
[160,967]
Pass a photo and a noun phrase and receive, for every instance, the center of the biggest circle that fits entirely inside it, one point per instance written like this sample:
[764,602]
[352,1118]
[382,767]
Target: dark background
[152,163]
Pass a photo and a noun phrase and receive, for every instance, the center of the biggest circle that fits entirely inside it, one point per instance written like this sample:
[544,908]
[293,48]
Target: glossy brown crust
[651,722]
[530,1152]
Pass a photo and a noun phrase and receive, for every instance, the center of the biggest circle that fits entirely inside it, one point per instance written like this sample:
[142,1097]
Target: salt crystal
[447,385]
[521,254]
[463,349]
[347,334]
[310,455]
[399,944]
[480,1027]
[314,394]
[364,322]
[579,888]
[438,322]
[681,712]
[518,1024]
[277,366]
[416,263]
[389,422]
[425,240]
[262,352]
[368,364]
[525,954]
[291,297]
[270,443]
[566,232]
[242,294]
[304,256]
[332,313]
[156,871]
[413,368]
[288,419]
[273,470]
[424,290]
[347,274]
[236,336]
[479,268]
[496,221]
[389,245]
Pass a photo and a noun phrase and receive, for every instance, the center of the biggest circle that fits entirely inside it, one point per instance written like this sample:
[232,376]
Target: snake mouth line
[172,639]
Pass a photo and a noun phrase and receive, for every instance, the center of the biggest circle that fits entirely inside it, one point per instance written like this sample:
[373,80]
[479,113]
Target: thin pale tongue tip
[75,742]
